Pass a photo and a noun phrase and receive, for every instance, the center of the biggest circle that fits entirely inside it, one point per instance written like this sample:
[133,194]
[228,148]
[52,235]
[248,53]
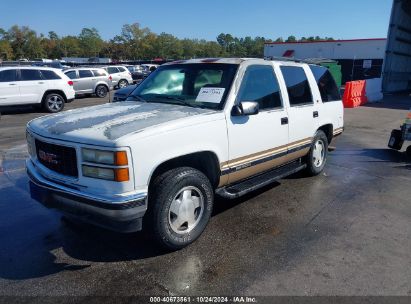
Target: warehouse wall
[397,65]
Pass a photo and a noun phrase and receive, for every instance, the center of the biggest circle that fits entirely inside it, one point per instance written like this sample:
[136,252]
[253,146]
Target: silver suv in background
[90,81]
[121,76]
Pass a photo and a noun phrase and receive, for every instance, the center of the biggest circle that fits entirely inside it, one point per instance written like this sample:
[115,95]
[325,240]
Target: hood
[105,124]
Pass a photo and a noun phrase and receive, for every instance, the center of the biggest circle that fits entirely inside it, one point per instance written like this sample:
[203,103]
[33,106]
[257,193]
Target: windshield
[195,85]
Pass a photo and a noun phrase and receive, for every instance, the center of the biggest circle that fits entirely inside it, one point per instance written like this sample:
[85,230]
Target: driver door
[257,143]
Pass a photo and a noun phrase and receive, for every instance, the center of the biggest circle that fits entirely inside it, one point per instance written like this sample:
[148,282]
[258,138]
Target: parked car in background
[51,64]
[121,76]
[138,73]
[150,67]
[90,81]
[47,87]
[123,93]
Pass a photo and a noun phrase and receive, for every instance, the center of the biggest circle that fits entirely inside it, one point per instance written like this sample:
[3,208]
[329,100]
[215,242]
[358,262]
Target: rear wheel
[101,91]
[396,140]
[317,157]
[53,103]
[180,207]
[122,83]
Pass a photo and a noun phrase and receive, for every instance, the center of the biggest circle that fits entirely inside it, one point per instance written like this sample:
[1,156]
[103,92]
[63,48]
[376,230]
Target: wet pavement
[346,232]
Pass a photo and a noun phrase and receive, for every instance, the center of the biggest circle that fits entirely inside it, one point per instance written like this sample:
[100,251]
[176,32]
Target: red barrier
[354,94]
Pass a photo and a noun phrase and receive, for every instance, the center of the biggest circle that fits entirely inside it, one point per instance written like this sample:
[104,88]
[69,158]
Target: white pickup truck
[191,130]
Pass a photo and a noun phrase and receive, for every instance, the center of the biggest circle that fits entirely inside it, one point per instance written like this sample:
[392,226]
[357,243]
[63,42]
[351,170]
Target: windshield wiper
[182,101]
[138,97]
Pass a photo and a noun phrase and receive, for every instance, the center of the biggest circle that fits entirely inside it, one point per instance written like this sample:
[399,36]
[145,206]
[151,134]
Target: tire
[101,91]
[317,157]
[53,103]
[122,83]
[396,140]
[180,205]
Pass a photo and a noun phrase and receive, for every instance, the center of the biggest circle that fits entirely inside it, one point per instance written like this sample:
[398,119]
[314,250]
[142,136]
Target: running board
[259,181]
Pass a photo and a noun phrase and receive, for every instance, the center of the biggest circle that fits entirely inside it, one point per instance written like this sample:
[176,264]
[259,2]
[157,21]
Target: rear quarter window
[49,75]
[122,69]
[326,84]
[71,74]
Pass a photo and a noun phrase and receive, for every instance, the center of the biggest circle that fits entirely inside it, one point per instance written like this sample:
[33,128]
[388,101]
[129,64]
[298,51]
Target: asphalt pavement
[345,232]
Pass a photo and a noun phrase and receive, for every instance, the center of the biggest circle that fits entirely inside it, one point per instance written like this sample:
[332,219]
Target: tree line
[134,42]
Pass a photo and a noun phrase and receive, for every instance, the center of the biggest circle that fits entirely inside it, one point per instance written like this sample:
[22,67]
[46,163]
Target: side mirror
[245,108]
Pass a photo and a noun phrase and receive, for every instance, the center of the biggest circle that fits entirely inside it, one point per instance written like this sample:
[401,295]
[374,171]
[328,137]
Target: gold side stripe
[263,154]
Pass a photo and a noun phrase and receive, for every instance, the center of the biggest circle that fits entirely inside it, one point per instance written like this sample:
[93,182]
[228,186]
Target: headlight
[118,158]
[118,174]
[31,146]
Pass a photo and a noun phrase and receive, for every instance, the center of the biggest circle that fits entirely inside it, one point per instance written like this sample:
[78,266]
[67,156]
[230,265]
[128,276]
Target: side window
[71,74]
[326,83]
[99,73]
[260,84]
[49,75]
[85,73]
[8,76]
[30,75]
[112,70]
[298,87]
[121,69]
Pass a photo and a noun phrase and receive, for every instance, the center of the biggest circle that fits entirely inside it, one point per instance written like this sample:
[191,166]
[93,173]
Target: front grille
[60,159]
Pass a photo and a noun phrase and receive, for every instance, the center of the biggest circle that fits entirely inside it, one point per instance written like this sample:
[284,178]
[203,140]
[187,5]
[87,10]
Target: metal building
[397,66]
[359,58]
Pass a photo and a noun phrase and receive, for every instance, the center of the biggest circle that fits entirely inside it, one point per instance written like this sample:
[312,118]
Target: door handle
[93,79]
[315,114]
[12,84]
[41,82]
[284,121]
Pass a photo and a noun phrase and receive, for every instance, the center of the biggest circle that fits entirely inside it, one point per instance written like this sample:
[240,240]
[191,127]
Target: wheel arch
[328,130]
[60,92]
[205,161]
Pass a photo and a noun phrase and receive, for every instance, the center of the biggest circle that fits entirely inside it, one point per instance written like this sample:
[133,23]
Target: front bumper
[121,214]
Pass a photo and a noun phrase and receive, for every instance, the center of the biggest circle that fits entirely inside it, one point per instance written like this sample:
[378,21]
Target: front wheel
[180,207]
[53,103]
[317,157]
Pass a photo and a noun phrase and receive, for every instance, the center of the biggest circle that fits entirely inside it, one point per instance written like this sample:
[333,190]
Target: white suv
[47,87]
[191,130]
[121,76]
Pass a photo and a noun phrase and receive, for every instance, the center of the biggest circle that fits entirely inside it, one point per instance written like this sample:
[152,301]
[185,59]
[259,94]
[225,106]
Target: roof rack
[308,60]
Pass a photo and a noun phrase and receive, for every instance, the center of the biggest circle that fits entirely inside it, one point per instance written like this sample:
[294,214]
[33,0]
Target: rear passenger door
[32,86]
[257,143]
[303,112]
[85,81]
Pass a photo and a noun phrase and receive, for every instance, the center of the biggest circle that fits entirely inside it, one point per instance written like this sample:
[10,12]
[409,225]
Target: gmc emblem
[48,157]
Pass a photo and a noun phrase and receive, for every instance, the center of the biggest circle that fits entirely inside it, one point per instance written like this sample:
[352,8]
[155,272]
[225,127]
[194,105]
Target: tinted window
[85,73]
[50,75]
[112,70]
[71,74]
[326,83]
[8,76]
[30,75]
[122,69]
[261,85]
[298,87]
[99,73]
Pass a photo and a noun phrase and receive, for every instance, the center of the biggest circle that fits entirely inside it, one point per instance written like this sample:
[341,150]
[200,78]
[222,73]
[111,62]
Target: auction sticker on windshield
[212,95]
